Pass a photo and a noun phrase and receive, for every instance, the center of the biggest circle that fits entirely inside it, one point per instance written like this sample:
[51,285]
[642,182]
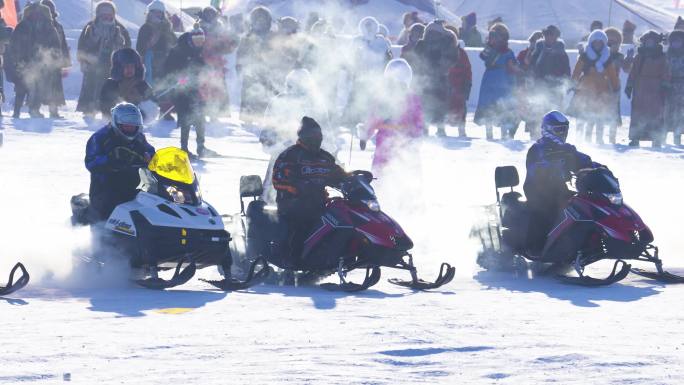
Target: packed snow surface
[88,327]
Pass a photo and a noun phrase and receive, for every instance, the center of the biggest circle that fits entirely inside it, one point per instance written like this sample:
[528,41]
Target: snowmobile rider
[300,175]
[113,155]
[550,164]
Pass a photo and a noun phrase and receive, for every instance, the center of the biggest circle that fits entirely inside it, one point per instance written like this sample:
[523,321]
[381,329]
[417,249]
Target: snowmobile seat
[268,234]
[506,176]
[251,186]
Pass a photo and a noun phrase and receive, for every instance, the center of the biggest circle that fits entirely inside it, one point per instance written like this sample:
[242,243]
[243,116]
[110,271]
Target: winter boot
[613,135]
[204,152]
[677,140]
[633,143]
[36,114]
[441,133]
[599,135]
[54,113]
[490,133]
[462,132]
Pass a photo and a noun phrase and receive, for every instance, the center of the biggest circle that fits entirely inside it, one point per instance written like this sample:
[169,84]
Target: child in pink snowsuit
[396,127]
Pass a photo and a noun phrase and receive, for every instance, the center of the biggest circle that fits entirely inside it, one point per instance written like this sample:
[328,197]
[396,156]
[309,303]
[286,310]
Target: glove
[362,144]
[124,156]
[628,91]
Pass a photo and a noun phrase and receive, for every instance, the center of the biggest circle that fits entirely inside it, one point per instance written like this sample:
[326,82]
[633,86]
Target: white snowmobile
[20,282]
[169,226]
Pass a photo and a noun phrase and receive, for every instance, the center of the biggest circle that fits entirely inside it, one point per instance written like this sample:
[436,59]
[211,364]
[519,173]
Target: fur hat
[51,5]
[615,34]
[679,24]
[551,29]
[101,6]
[501,30]
[122,57]
[629,26]
[651,35]
[156,5]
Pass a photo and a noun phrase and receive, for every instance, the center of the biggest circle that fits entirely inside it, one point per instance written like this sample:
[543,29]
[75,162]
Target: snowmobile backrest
[506,176]
[251,186]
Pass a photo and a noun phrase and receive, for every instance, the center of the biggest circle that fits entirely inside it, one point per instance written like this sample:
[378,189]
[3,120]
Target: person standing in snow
[371,53]
[36,51]
[496,106]
[254,60]
[550,67]
[5,36]
[408,51]
[219,43]
[98,40]
[460,85]
[288,46]
[155,40]
[595,25]
[621,63]
[409,19]
[525,92]
[596,79]
[397,120]
[61,70]
[647,86]
[126,83]
[469,33]
[437,53]
[628,29]
[674,104]
[185,68]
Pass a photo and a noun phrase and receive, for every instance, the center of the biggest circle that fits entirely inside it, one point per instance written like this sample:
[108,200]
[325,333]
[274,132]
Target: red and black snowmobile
[14,285]
[595,225]
[353,233]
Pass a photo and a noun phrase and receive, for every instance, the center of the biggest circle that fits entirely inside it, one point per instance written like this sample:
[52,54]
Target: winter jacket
[461,83]
[495,106]
[118,88]
[674,106]
[112,182]
[96,44]
[436,54]
[394,134]
[36,52]
[255,55]
[300,177]
[649,80]
[594,98]
[154,43]
[184,67]
[550,64]
[471,37]
[549,166]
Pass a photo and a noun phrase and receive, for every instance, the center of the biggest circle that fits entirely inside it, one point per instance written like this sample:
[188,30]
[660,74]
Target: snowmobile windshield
[173,164]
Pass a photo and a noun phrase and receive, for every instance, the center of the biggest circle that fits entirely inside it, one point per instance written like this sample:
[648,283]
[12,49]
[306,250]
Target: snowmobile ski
[180,276]
[254,277]
[13,285]
[372,277]
[585,280]
[446,274]
[662,276]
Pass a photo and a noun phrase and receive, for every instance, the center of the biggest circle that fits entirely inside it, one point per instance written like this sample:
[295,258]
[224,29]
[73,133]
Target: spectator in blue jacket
[113,156]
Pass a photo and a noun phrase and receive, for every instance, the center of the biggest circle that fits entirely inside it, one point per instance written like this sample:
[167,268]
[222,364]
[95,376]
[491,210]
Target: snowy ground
[482,328]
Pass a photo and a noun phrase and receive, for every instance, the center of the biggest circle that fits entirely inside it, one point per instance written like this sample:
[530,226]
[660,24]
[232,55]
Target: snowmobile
[20,282]
[169,226]
[353,233]
[595,225]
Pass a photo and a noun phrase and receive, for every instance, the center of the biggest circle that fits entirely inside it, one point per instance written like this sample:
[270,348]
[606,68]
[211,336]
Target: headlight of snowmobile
[176,195]
[615,199]
[372,204]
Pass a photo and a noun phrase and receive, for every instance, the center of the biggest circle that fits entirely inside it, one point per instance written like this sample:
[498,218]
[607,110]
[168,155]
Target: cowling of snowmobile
[168,220]
[595,225]
[353,233]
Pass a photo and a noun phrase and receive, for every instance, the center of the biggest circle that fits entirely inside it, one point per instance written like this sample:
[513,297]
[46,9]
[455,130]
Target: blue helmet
[555,126]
